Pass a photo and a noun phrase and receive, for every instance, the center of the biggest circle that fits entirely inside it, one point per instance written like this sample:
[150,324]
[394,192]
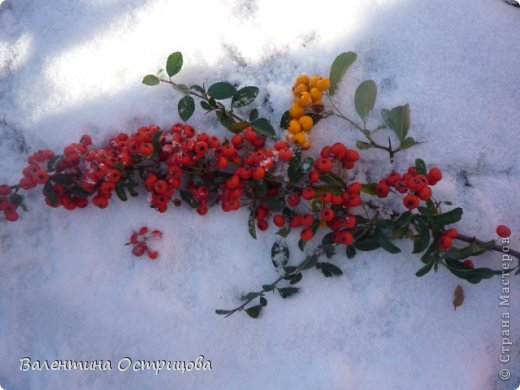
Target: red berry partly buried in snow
[503,231]
[469,263]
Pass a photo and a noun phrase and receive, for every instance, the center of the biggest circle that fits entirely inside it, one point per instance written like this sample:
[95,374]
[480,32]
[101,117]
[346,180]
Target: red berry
[452,233]
[314,176]
[153,255]
[308,193]
[11,216]
[382,189]
[445,242]
[306,234]
[345,238]
[293,199]
[323,165]
[327,215]
[262,224]
[40,176]
[113,176]
[434,175]
[5,190]
[279,220]
[139,249]
[503,231]
[258,173]
[469,263]
[425,193]
[410,201]
[143,230]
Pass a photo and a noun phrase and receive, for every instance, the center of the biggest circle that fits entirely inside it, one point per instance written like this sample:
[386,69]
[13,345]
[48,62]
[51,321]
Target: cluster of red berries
[139,239]
[445,240]
[330,209]
[415,186]
[7,206]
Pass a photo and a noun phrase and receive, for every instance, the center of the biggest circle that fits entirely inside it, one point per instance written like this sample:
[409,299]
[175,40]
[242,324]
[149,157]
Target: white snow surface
[70,289]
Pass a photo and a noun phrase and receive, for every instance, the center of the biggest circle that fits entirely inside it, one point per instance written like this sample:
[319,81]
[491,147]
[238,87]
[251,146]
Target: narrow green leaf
[222,312]
[448,218]
[251,223]
[186,107]
[369,243]
[365,98]
[338,68]
[385,243]
[424,270]
[263,301]
[190,199]
[205,105]
[296,278]
[174,63]
[182,88]
[150,80]
[283,232]
[398,119]
[198,88]
[422,239]
[284,121]
[369,188]
[120,192]
[221,90]
[244,96]
[309,262]
[226,120]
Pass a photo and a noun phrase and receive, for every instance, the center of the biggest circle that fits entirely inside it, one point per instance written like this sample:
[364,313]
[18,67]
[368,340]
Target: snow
[72,290]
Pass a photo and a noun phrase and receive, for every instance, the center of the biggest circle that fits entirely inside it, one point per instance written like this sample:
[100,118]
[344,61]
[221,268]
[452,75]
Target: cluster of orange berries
[139,239]
[307,92]
[415,186]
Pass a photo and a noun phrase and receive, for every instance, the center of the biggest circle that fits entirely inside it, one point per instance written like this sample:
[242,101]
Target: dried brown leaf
[458,297]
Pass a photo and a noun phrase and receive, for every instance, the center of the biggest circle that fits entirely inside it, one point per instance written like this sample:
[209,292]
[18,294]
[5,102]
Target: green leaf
[205,105]
[238,126]
[369,243]
[284,121]
[332,179]
[223,312]
[174,63]
[408,143]
[190,199]
[459,254]
[420,167]
[182,88]
[424,270]
[471,275]
[361,145]
[385,243]
[251,223]
[351,251]
[156,142]
[338,68]
[120,192]
[253,114]
[221,90]
[286,292]
[296,278]
[422,239]
[254,311]
[150,80]
[329,269]
[226,120]
[263,127]
[244,96]
[198,88]
[369,188]
[398,119]
[365,98]
[280,254]
[186,107]
[301,244]
[329,250]
[263,301]
[283,232]
[50,194]
[309,262]
[448,218]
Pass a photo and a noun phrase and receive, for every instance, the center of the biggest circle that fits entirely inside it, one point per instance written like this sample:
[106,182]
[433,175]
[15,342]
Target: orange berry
[296,111]
[313,81]
[294,126]
[306,122]
[299,88]
[302,79]
[300,138]
[316,94]
[323,84]
[445,242]
[303,99]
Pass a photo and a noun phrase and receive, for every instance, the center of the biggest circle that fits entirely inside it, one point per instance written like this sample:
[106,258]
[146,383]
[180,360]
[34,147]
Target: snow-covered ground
[69,288]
